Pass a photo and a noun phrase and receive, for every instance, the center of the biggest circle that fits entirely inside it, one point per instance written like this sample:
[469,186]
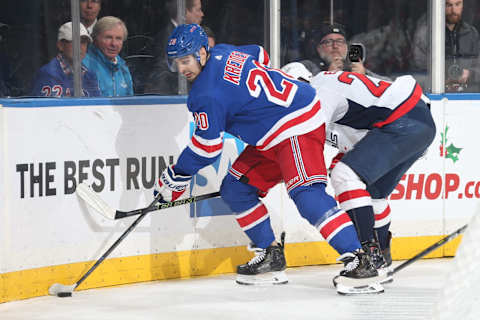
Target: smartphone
[356,52]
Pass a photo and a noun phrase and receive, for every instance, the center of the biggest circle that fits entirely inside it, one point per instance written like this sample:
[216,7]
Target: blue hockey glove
[170,185]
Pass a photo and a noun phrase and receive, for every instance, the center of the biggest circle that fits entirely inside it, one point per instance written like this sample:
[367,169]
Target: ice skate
[266,267]
[359,275]
[381,259]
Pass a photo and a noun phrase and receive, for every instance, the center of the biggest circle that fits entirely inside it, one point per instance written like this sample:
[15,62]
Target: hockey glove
[170,185]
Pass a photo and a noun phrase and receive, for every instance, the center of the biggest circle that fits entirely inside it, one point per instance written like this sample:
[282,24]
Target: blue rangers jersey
[55,79]
[238,93]
[365,102]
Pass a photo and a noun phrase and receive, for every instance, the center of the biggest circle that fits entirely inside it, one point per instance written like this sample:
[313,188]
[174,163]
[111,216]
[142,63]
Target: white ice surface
[309,295]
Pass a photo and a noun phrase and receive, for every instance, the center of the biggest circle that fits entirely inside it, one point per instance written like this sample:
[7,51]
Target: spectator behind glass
[55,79]
[89,10]
[210,35]
[103,57]
[161,80]
[330,52]
[462,68]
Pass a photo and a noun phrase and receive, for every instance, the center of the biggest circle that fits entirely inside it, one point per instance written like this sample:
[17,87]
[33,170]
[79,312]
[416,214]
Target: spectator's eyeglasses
[94,1]
[329,42]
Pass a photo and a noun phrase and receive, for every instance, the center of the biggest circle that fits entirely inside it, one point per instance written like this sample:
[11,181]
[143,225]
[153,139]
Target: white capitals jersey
[363,102]
[343,137]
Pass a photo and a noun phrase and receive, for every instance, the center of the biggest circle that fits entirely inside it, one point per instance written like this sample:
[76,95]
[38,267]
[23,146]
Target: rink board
[48,234]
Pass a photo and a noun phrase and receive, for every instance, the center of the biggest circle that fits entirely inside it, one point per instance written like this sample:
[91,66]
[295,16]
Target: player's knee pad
[238,195]
[349,188]
[313,202]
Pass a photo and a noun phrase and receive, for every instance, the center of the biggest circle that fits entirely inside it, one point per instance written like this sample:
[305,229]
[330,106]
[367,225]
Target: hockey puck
[64,294]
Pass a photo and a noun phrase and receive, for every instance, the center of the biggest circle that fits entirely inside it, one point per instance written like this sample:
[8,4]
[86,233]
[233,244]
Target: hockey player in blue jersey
[385,127]
[233,90]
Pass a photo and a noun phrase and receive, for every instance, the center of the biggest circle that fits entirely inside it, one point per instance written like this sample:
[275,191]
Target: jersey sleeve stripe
[307,119]
[206,148]
[263,57]
[403,108]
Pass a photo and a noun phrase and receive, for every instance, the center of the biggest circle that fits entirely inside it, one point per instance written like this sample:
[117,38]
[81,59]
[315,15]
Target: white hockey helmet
[298,71]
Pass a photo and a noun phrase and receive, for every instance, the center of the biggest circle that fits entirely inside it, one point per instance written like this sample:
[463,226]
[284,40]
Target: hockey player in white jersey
[344,139]
[397,129]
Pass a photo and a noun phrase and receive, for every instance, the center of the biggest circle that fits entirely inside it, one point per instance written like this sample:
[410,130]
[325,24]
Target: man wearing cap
[55,79]
[330,52]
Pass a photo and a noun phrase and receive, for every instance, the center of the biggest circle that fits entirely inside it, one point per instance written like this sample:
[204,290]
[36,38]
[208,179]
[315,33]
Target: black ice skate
[372,248]
[381,259]
[266,267]
[359,275]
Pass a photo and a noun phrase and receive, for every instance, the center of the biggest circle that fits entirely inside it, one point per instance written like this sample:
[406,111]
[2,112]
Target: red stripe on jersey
[383,214]
[206,148]
[253,216]
[334,224]
[335,160]
[403,108]
[266,58]
[291,123]
[352,194]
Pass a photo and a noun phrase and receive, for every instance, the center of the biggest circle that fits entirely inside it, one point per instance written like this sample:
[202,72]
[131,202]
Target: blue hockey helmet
[186,39]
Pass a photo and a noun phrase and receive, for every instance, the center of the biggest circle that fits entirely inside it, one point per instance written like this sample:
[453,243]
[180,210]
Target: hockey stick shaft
[143,213]
[423,253]
[165,205]
[97,203]
[57,289]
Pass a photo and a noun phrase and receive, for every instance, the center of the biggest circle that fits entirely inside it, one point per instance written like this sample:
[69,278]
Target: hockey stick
[61,290]
[423,253]
[94,200]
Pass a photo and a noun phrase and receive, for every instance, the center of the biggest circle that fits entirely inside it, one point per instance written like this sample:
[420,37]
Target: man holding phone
[332,52]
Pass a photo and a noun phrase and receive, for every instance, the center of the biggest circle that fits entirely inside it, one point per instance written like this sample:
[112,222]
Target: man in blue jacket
[55,79]
[103,57]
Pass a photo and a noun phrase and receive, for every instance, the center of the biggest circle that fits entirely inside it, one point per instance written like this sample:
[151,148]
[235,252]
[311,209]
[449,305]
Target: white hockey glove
[170,185]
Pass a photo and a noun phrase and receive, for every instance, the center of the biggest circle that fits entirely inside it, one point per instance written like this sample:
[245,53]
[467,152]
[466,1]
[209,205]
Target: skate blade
[372,288]
[361,282]
[386,278]
[268,278]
